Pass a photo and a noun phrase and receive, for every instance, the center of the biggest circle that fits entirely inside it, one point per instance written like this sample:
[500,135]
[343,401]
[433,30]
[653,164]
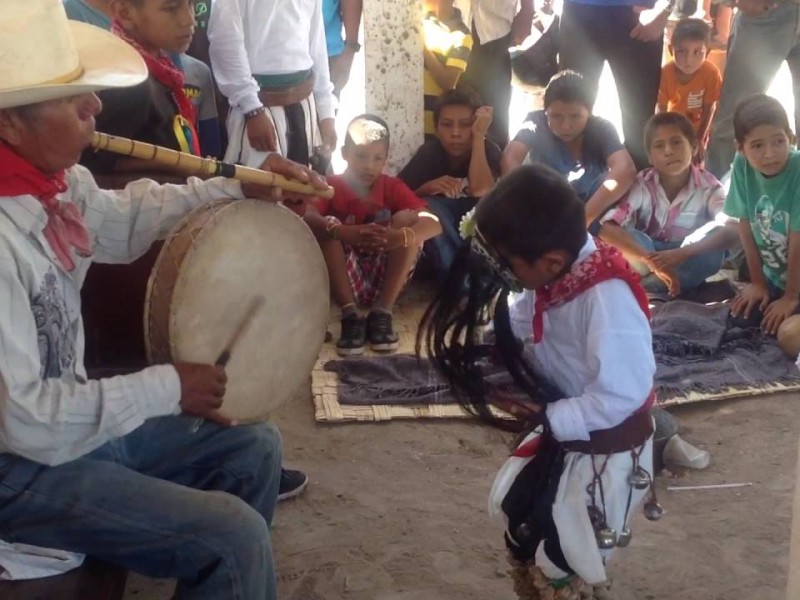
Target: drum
[211,270]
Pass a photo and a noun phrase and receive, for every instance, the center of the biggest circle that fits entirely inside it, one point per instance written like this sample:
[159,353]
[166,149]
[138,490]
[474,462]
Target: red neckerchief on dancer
[171,77]
[601,265]
[65,228]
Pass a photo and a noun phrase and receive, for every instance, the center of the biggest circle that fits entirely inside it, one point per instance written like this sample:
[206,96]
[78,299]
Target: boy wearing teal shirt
[765,197]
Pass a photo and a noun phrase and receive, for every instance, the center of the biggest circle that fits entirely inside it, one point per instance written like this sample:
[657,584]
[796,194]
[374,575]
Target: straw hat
[44,56]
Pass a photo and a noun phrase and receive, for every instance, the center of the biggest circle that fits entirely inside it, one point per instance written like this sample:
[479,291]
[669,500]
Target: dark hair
[568,86]
[669,119]
[366,129]
[758,110]
[530,212]
[694,30]
[455,98]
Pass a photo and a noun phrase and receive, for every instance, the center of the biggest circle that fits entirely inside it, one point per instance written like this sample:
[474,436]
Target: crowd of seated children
[370,234]
[670,225]
[584,148]
[452,171]
[690,83]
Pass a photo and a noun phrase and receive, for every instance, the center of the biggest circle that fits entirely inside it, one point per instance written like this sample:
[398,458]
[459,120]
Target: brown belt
[631,433]
[288,95]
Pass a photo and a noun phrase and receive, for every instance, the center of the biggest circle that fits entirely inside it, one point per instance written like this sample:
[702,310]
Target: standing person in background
[94,12]
[446,54]
[690,83]
[338,14]
[271,62]
[629,35]
[764,34]
[495,26]
[198,80]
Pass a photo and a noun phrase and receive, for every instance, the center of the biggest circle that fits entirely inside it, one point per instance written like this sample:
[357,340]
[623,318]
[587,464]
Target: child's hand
[372,237]
[522,409]
[667,259]
[350,235]
[483,119]
[670,279]
[777,312]
[752,295]
[665,274]
[443,186]
[394,238]
[261,133]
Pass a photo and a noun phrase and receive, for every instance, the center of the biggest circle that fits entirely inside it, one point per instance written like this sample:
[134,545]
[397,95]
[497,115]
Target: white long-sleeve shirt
[492,18]
[597,348]
[268,37]
[49,412]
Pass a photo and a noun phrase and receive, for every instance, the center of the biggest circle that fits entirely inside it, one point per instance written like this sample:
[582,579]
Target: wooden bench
[94,580]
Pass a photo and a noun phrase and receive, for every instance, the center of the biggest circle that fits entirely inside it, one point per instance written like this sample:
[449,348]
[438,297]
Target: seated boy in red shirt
[370,233]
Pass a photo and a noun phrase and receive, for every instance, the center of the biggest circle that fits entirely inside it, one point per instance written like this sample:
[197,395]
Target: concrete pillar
[393,73]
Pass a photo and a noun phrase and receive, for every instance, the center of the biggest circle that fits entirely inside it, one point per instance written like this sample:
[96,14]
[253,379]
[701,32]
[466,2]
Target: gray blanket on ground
[695,352]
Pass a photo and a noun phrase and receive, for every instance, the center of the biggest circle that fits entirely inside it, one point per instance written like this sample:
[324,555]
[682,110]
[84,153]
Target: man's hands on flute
[291,170]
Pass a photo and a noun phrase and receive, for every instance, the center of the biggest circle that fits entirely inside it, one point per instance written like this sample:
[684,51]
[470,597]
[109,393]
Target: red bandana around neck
[601,265]
[65,229]
[171,77]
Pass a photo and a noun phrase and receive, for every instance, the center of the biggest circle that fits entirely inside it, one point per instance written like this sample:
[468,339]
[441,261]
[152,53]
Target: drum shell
[296,349]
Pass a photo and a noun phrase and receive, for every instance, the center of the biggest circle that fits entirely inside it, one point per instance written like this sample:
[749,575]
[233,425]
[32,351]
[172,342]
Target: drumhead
[211,269]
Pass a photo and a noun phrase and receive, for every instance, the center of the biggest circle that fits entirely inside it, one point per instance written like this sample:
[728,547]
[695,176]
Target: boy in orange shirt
[690,83]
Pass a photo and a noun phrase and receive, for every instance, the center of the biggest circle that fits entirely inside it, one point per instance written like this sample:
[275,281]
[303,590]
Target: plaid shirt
[647,208]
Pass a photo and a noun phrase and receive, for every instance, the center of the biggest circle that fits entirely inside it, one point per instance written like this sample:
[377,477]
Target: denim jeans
[691,273]
[444,246]
[757,47]
[162,501]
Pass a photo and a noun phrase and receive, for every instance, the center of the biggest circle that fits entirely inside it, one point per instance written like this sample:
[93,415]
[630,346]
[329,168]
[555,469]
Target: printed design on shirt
[773,228]
[201,13]
[56,344]
[694,100]
[194,93]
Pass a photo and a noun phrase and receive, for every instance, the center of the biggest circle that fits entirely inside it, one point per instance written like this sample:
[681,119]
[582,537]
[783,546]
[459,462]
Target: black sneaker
[292,483]
[353,337]
[380,332]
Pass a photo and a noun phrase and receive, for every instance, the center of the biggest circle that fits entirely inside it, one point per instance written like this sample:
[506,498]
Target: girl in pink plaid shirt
[670,226]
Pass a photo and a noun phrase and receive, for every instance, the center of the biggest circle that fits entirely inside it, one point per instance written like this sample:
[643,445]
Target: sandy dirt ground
[396,511]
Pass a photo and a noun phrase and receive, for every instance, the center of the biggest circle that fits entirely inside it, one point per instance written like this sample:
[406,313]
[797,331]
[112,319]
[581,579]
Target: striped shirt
[451,43]
[647,208]
[50,413]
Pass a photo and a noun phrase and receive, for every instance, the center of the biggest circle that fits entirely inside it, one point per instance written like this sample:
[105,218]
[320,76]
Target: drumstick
[188,163]
[225,355]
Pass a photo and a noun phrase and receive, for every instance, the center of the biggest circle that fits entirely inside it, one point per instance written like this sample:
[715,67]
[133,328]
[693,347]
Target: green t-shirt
[772,205]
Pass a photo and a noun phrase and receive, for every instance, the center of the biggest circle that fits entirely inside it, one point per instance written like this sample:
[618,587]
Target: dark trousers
[591,35]
[489,74]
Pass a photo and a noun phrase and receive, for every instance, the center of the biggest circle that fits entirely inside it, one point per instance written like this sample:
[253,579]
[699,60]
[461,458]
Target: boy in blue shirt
[764,197]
